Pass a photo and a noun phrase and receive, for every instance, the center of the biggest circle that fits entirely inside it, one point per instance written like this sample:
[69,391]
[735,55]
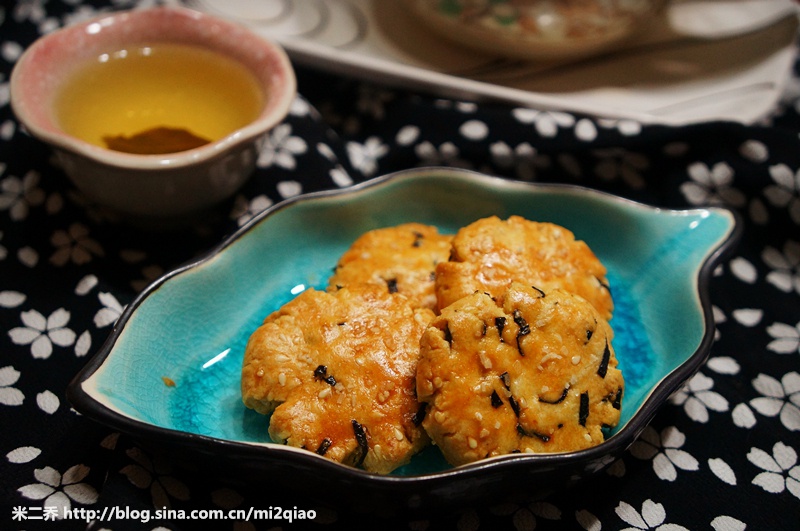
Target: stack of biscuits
[492,341]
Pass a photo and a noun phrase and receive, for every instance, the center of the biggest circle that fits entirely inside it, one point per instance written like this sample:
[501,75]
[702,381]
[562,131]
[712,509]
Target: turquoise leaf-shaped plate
[169,373]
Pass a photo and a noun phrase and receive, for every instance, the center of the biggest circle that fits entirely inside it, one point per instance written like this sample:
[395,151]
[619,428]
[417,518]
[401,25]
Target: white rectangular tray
[702,60]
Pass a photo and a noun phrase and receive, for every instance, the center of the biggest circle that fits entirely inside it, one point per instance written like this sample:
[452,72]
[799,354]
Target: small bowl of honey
[156,113]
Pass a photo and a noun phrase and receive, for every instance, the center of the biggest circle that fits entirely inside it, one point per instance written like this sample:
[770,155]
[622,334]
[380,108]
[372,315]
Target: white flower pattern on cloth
[724,365]
[625,126]
[41,332]
[110,311]
[244,210]
[546,123]
[60,490]
[785,265]
[622,164]
[780,398]
[364,157]
[281,148]
[288,189]
[372,100]
[525,517]
[23,454]
[155,475]
[474,130]
[340,177]
[19,195]
[74,245]
[697,398]
[785,193]
[446,154]
[652,517]
[9,395]
[711,186]
[664,449]
[588,521]
[722,470]
[748,317]
[727,523]
[48,402]
[780,469]
[785,338]
[524,158]
[743,269]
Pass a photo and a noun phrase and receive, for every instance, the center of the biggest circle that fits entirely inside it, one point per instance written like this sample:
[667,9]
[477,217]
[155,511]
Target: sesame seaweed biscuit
[337,373]
[529,372]
[402,259]
[491,253]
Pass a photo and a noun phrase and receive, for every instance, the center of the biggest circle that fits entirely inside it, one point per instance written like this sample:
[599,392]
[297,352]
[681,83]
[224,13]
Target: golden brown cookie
[402,259]
[491,253]
[337,372]
[529,372]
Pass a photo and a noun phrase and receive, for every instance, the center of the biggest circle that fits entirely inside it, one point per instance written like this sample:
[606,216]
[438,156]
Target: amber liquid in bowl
[156,99]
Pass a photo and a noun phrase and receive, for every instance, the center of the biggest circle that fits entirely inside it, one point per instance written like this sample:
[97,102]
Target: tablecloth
[722,454]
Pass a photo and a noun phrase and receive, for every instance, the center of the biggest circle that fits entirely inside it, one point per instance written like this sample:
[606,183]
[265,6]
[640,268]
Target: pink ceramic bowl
[151,187]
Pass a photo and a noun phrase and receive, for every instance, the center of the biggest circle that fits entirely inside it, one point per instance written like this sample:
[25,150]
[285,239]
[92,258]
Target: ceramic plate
[170,371]
[699,61]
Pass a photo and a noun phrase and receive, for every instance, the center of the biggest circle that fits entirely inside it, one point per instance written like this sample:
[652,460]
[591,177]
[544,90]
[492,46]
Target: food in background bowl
[537,29]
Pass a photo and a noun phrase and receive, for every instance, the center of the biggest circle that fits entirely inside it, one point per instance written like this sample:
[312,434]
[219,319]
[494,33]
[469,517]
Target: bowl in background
[537,29]
[151,187]
[191,327]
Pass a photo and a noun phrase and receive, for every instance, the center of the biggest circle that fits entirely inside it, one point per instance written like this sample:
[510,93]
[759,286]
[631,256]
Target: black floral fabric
[722,454]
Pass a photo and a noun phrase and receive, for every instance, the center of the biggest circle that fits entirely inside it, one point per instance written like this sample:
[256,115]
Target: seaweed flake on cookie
[531,372]
[402,259]
[336,371]
[489,254]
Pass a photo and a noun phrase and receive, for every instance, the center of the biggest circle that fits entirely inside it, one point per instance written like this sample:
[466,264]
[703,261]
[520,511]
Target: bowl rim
[274,110]
[83,402]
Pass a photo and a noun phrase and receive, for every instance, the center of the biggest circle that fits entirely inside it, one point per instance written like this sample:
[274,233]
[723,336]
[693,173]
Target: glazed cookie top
[337,371]
[489,254]
[526,372]
[402,259]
